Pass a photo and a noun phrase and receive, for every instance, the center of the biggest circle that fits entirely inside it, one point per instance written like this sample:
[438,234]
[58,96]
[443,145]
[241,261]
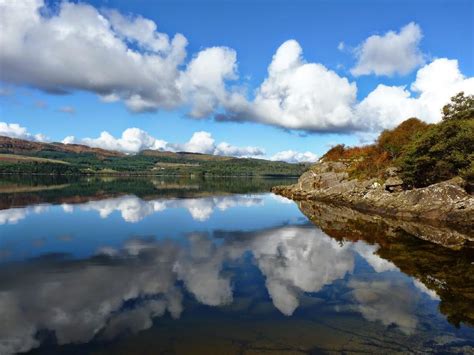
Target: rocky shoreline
[446,203]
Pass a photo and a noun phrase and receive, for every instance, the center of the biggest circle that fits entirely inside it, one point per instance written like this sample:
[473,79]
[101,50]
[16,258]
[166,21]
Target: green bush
[445,150]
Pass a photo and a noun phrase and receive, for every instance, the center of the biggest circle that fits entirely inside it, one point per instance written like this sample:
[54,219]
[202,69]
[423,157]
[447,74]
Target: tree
[445,150]
[461,107]
[393,141]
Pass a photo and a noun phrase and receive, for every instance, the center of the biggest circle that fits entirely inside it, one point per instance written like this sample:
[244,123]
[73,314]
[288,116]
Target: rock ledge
[445,202]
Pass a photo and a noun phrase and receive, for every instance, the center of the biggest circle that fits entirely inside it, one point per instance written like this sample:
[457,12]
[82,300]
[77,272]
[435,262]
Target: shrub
[444,151]
[393,141]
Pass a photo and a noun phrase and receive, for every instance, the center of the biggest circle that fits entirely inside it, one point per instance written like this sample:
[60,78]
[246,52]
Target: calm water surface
[138,266]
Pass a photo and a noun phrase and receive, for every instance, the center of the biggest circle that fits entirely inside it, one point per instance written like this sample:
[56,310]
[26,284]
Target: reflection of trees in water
[80,190]
[446,271]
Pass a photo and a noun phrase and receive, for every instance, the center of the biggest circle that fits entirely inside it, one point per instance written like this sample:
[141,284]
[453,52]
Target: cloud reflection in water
[81,299]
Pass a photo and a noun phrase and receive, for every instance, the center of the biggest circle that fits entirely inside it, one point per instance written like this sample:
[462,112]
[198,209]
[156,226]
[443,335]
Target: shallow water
[137,266]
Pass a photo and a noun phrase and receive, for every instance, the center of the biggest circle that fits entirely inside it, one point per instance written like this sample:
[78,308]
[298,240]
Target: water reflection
[134,209]
[79,299]
[13,215]
[276,282]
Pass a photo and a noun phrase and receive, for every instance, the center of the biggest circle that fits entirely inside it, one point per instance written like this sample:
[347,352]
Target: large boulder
[393,184]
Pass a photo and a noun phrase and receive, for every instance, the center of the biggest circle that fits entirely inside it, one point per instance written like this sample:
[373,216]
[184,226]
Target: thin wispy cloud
[67,109]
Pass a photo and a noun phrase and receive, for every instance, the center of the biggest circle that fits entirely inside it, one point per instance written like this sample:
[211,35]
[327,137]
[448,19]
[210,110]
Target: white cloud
[203,142]
[392,53]
[14,130]
[298,95]
[308,96]
[139,30]
[292,156]
[125,58]
[132,140]
[200,142]
[435,83]
[204,79]
[115,56]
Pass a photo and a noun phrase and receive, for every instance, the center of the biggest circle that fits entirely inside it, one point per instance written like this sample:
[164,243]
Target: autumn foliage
[366,161]
[372,160]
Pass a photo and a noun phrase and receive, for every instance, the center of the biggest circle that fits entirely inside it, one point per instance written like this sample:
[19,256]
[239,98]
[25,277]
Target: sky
[282,80]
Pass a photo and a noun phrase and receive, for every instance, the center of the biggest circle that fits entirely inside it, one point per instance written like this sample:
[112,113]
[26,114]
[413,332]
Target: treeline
[141,164]
[37,168]
[424,153]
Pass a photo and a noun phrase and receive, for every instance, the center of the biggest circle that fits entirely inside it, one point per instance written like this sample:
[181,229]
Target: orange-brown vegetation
[370,161]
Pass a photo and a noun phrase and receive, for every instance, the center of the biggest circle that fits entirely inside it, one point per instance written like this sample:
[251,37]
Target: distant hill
[184,155]
[26,157]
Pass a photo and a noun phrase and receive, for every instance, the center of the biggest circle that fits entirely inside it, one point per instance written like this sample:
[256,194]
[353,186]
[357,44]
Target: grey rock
[446,202]
[393,184]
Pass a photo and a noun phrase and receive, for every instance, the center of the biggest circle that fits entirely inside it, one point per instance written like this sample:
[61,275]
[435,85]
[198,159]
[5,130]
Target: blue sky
[329,34]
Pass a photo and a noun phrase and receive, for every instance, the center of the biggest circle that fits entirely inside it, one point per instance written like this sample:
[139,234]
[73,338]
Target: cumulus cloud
[392,53]
[203,142]
[105,52]
[125,58]
[297,95]
[14,130]
[292,156]
[204,79]
[435,83]
[200,142]
[308,96]
[134,140]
